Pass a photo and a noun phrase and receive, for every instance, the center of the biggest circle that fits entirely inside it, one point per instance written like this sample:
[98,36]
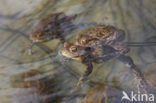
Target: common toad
[51,27]
[99,49]
[100,33]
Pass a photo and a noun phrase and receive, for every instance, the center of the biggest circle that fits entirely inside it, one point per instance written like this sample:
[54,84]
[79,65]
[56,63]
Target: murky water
[43,78]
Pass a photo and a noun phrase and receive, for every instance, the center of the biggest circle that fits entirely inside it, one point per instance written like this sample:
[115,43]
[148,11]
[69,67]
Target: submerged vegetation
[45,76]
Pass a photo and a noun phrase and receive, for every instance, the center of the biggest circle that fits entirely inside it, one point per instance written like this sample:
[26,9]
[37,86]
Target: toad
[100,33]
[51,27]
[99,44]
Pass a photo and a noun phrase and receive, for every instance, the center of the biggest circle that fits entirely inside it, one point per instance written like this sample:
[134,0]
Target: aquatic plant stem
[136,44]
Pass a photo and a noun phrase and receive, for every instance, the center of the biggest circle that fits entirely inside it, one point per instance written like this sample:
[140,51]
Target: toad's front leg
[86,73]
[138,74]
[29,49]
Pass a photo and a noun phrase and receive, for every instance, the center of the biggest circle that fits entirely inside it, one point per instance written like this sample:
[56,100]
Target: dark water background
[42,78]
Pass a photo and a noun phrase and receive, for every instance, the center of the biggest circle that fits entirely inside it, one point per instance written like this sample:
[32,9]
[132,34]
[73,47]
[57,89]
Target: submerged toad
[89,48]
[51,27]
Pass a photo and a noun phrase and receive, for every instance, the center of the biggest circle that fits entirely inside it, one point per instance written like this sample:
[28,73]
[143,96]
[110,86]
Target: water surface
[42,77]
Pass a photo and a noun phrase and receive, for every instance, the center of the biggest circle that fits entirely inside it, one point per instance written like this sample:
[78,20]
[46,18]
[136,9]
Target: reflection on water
[37,86]
[102,94]
[43,77]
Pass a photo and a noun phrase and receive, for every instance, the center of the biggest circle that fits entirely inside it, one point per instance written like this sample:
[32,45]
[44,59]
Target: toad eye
[73,49]
[83,41]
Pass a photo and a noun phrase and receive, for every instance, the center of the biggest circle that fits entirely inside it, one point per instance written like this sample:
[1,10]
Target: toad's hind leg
[86,73]
[138,74]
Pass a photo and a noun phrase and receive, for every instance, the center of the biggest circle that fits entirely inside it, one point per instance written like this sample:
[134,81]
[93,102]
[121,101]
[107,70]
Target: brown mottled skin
[100,33]
[51,27]
[89,47]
